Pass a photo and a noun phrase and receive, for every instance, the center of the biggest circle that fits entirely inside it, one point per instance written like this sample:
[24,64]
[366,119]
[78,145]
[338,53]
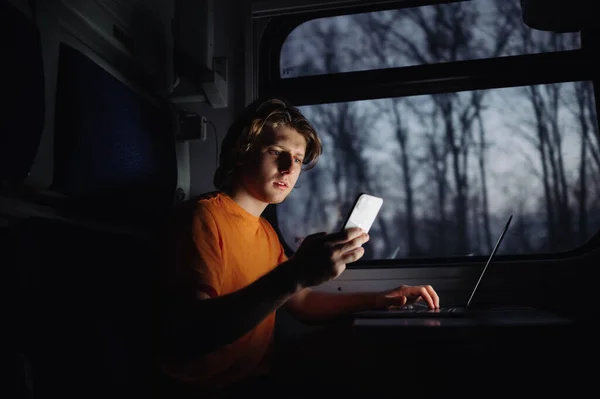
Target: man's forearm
[315,306]
[200,327]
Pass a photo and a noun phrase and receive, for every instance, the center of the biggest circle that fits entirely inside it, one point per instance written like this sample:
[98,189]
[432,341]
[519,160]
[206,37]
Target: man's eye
[298,160]
[274,152]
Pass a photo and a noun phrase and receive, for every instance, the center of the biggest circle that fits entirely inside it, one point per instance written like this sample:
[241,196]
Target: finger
[353,256]
[427,297]
[396,301]
[344,236]
[414,299]
[338,271]
[353,244]
[434,296]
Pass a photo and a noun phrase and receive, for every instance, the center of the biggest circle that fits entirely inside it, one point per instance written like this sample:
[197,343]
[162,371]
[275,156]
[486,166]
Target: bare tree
[581,96]
[592,117]
[546,105]
[583,108]
[443,143]
[377,34]
[485,214]
[438,155]
[449,33]
[346,125]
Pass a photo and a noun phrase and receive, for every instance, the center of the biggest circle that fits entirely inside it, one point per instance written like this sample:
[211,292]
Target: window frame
[476,74]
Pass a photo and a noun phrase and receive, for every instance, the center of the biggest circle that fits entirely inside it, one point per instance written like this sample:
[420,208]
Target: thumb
[393,300]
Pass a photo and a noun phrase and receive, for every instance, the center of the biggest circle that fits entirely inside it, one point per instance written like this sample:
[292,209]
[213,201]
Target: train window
[449,32]
[456,114]
[451,167]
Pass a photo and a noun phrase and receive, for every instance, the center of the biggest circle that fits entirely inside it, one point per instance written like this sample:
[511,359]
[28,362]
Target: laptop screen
[489,259]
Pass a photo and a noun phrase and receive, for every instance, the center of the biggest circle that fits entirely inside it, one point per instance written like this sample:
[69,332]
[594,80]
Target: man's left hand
[407,295]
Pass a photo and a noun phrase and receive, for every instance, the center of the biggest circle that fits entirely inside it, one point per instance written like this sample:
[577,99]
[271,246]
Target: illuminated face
[276,166]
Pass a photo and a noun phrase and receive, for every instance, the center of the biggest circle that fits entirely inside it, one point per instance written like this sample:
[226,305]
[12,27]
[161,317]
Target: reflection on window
[414,36]
[452,167]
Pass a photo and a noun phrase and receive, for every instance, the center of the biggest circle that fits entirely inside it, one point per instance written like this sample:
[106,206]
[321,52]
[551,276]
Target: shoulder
[209,211]
[207,197]
[198,209]
[206,203]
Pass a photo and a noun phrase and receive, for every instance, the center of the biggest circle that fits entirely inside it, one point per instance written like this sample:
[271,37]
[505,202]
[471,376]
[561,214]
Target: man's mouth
[281,184]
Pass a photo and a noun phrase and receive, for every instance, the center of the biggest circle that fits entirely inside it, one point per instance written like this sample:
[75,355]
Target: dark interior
[85,249]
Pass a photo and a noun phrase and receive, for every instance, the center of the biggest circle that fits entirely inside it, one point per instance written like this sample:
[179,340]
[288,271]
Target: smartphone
[363,213]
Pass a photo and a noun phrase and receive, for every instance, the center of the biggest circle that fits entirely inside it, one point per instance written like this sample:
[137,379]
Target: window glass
[414,36]
[452,167]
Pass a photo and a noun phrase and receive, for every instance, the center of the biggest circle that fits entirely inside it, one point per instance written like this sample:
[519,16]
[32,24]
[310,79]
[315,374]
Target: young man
[228,272]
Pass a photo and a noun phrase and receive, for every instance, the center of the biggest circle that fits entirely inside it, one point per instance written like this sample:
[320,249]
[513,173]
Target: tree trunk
[459,199]
[550,225]
[581,94]
[485,213]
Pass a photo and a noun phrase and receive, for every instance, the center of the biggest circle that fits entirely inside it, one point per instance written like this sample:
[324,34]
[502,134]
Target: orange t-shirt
[221,248]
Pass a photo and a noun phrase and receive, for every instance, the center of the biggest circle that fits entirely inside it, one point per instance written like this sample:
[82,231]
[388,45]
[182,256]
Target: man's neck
[248,202]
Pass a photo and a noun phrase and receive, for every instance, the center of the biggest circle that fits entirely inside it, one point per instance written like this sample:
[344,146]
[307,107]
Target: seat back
[84,308]
[22,117]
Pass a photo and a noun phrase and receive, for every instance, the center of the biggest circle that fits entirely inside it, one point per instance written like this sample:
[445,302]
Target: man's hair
[243,137]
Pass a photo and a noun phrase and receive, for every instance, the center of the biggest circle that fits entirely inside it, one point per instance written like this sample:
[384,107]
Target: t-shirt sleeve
[207,262]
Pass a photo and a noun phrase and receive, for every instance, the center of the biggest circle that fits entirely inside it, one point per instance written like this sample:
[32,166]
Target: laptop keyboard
[414,311]
[423,308]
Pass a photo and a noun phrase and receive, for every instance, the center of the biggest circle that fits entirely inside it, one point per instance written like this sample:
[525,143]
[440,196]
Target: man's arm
[205,324]
[314,306]
[311,306]
[202,325]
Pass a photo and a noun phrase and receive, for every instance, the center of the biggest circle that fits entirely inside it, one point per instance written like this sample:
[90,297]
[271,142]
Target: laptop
[420,309]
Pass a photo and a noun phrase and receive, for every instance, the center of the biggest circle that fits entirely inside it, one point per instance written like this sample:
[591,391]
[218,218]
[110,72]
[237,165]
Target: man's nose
[285,163]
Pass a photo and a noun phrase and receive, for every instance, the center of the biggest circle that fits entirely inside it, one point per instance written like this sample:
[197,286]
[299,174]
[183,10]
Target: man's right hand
[322,257]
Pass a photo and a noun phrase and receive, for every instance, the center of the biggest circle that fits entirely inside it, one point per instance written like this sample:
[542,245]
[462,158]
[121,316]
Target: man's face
[273,170]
